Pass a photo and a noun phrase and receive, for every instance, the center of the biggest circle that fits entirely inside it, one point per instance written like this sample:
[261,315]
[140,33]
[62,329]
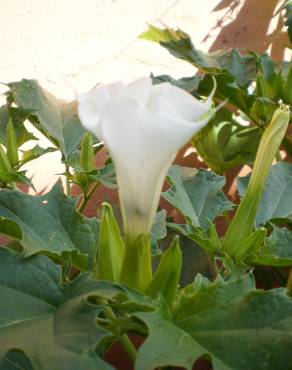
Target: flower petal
[140,89]
[90,106]
[143,127]
[171,100]
[142,145]
[116,89]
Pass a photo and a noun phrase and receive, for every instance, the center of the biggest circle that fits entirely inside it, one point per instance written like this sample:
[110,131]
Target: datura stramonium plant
[143,126]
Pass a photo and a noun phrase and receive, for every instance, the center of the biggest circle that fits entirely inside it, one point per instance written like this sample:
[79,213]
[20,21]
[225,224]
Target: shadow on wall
[255,25]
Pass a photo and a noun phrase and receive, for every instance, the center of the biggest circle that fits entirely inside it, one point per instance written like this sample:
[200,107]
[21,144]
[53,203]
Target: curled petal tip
[210,97]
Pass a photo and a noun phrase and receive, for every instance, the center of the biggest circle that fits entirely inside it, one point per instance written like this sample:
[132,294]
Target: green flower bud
[243,222]
[111,246]
[5,164]
[87,153]
[11,144]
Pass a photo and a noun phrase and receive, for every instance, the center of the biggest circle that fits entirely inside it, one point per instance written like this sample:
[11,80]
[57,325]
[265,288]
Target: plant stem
[129,348]
[68,189]
[102,321]
[289,283]
[87,196]
[212,268]
[124,339]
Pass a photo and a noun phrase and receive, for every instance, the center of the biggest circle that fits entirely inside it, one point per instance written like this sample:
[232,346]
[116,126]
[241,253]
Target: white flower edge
[143,127]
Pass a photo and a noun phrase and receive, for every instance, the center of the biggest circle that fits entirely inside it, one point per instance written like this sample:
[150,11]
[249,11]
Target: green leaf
[17,116]
[158,231]
[228,88]
[234,326]
[49,224]
[270,79]
[54,326]
[106,176]
[262,110]
[208,240]
[233,73]
[34,153]
[57,119]
[202,294]
[277,250]
[189,84]
[166,278]
[195,260]
[15,360]
[179,44]
[11,176]
[224,144]
[277,197]
[287,76]
[197,195]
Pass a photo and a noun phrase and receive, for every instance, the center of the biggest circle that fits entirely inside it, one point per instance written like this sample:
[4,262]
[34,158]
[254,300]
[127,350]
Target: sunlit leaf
[197,194]
[57,119]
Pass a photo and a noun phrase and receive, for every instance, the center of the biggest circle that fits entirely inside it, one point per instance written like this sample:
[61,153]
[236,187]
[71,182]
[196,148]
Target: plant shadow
[250,25]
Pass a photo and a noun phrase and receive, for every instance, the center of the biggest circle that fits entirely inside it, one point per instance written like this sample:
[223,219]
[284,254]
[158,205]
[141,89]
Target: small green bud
[11,144]
[5,164]
[111,246]
[87,160]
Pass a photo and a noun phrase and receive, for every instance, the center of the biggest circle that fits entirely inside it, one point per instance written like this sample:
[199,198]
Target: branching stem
[87,197]
[124,339]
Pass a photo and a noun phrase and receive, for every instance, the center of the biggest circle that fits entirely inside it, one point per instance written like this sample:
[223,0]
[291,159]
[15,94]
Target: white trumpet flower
[143,126]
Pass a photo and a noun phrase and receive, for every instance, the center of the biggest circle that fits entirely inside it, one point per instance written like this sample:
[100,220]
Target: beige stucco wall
[82,42]
[73,43]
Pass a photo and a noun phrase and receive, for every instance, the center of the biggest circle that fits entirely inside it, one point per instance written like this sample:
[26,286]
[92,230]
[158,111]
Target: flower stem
[124,339]
[87,196]
[68,189]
